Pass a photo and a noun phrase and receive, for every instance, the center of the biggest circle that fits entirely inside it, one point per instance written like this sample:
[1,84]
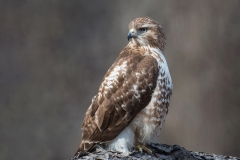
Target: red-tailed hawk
[132,101]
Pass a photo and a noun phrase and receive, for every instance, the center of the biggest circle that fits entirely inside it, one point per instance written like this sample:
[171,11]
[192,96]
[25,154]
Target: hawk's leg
[142,147]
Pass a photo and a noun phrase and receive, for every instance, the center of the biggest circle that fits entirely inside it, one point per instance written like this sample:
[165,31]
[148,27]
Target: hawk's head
[145,31]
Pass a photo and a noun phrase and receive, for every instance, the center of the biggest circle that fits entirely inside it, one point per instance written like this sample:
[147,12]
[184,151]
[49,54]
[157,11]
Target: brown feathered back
[113,108]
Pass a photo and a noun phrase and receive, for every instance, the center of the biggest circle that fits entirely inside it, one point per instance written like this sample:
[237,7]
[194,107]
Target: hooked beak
[131,34]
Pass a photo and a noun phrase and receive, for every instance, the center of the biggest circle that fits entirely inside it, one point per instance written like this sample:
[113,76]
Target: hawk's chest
[149,121]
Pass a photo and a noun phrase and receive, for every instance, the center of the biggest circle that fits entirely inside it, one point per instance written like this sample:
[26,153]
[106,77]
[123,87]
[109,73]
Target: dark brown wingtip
[83,150]
[79,154]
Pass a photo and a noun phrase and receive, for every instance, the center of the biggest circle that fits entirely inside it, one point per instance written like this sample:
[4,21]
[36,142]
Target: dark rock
[160,152]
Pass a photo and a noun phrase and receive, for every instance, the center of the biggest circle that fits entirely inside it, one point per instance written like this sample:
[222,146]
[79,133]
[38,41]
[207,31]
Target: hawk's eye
[143,29]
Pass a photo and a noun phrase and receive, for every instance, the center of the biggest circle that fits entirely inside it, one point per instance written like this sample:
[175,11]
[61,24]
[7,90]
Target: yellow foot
[141,147]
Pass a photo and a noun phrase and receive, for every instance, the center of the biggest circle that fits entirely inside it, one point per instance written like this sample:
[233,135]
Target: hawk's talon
[142,147]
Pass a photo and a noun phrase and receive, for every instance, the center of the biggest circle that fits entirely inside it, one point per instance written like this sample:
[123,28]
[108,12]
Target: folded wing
[125,90]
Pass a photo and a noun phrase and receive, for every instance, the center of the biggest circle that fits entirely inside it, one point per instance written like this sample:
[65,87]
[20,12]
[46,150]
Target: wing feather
[124,92]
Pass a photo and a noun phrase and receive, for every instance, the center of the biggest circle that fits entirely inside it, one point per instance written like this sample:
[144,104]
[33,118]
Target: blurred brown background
[54,54]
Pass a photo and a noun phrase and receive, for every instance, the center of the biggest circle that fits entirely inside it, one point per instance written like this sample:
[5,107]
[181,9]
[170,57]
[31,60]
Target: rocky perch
[160,151]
